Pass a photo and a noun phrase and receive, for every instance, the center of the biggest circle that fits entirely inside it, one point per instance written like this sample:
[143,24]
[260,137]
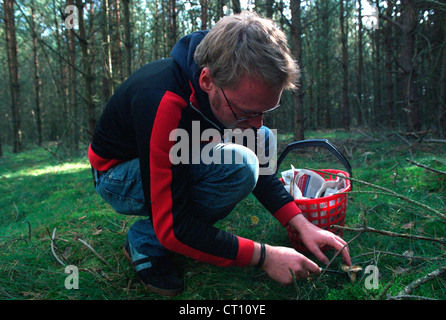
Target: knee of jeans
[248,167]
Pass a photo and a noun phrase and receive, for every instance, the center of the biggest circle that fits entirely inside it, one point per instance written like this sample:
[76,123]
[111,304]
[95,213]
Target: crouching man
[225,78]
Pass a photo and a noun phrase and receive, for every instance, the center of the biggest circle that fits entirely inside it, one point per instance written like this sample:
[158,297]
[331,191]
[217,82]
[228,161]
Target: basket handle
[315,143]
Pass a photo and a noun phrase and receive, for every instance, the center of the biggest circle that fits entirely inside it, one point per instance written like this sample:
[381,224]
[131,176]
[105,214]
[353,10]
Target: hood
[183,54]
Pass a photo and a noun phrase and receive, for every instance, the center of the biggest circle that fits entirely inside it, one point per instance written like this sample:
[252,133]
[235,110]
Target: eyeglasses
[254,115]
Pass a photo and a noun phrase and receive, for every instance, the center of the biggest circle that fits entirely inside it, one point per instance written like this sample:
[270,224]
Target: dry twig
[412,286]
[390,233]
[426,167]
[93,250]
[386,192]
[53,250]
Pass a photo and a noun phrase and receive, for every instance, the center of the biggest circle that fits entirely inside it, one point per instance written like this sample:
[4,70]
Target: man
[226,78]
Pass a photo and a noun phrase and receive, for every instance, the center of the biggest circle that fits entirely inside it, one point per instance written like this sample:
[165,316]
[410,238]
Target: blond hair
[246,44]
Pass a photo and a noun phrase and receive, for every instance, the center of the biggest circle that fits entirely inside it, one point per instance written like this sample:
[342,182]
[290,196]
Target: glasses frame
[255,115]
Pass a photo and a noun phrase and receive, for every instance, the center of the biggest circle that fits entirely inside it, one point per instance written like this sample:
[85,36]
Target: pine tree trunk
[442,84]
[37,81]
[72,97]
[360,67]
[407,63]
[345,102]
[87,68]
[107,76]
[204,14]
[11,50]
[127,38]
[296,40]
[236,6]
[390,121]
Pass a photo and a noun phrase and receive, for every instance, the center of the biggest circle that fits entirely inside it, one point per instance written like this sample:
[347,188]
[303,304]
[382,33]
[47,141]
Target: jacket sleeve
[175,225]
[269,189]
[274,197]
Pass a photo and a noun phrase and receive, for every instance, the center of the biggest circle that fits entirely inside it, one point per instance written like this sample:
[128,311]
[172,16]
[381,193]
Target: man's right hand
[281,261]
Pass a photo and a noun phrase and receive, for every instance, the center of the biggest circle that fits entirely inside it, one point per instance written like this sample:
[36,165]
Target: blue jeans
[215,190]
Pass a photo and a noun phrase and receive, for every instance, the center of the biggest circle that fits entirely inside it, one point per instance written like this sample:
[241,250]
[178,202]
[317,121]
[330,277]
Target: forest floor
[51,217]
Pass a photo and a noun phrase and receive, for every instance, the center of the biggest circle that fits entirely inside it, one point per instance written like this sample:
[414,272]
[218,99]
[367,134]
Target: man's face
[248,100]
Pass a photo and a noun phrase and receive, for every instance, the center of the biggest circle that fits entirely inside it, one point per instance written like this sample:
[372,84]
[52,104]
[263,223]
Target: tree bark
[296,40]
[87,68]
[11,51]
[407,63]
[360,67]
[172,24]
[236,6]
[442,84]
[388,66]
[345,102]
[204,14]
[72,97]
[107,76]
[37,80]
[127,38]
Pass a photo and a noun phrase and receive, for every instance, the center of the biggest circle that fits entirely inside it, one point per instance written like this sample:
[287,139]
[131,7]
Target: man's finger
[341,245]
[312,266]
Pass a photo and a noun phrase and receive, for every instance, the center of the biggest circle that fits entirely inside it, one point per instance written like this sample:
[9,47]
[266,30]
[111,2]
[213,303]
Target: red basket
[323,212]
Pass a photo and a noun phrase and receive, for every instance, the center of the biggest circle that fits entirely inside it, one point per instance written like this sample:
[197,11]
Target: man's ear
[206,81]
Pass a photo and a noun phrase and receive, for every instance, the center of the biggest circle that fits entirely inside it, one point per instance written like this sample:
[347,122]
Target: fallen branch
[53,250]
[390,233]
[405,256]
[387,192]
[412,286]
[408,296]
[93,250]
[426,167]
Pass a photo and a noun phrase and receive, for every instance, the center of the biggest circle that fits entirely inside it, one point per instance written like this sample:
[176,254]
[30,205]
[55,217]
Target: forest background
[366,64]
[373,82]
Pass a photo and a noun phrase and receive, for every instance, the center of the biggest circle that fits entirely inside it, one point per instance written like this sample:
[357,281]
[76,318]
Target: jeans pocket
[124,204]
[121,187]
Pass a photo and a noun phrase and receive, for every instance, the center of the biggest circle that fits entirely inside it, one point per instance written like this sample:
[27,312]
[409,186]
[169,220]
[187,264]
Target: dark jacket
[136,123]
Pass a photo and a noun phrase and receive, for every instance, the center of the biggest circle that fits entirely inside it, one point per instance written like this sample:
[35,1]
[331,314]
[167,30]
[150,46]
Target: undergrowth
[49,210]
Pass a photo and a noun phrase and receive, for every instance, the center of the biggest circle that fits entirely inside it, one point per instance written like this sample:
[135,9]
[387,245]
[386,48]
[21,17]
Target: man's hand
[281,261]
[314,238]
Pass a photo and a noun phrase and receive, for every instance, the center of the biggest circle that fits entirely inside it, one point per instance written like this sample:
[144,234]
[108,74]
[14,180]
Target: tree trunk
[359,71]
[87,68]
[236,6]
[269,8]
[116,48]
[172,24]
[127,38]
[11,51]
[107,76]
[204,14]
[376,115]
[220,12]
[407,63]
[37,81]
[345,102]
[61,117]
[388,66]
[296,40]
[442,84]
[72,97]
